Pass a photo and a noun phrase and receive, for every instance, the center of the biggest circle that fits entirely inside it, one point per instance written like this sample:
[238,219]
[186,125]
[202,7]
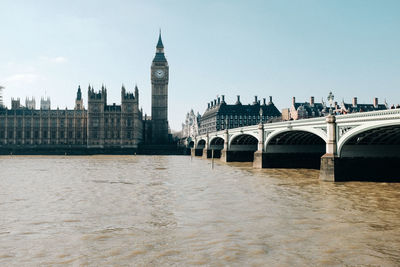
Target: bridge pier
[286,160]
[258,160]
[208,153]
[329,161]
[328,168]
[225,156]
[196,152]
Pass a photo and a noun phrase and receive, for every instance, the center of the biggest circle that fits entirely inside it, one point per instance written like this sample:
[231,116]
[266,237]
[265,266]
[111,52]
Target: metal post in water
[212,158]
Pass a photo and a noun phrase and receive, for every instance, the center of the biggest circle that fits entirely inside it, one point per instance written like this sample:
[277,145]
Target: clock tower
[159,95]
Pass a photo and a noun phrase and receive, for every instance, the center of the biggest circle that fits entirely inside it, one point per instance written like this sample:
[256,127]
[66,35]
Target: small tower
[79,100]
[97,102]
[30,103]
[45,103]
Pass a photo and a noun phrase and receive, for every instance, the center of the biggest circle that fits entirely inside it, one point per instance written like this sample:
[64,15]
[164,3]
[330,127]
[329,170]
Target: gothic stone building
[101,126]
[219,115]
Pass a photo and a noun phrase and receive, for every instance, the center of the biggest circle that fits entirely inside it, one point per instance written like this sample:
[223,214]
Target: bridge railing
[360,116]
[370,115]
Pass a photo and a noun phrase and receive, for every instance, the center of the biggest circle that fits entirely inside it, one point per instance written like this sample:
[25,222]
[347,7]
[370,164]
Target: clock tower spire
[159,95]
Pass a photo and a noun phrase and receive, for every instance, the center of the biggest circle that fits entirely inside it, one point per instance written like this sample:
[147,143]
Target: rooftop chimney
[293,100]
[354,102]
[223,99]
[264,101]
[375,102]
[270,100]
[219,100]
[208,104]
[238,100]
[312,101]
[255,100]
[215,102]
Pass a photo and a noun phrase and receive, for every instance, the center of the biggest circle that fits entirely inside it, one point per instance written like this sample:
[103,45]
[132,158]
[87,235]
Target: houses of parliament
[100,127]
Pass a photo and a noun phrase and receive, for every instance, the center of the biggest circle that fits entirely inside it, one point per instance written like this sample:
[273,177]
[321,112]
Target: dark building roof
[79,93]
[160,44]
[159,57]
[363,107]
[269,109]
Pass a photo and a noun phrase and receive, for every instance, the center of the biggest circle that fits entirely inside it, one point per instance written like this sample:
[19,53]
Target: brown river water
[174,211]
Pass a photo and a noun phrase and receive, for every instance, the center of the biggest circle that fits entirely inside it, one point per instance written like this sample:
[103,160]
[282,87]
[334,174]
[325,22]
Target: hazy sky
[280,48]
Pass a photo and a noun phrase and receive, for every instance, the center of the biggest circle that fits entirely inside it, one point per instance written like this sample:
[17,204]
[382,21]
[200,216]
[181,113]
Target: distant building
[190,128]
[356,107]
[304,110]
[101,126]
[219,115]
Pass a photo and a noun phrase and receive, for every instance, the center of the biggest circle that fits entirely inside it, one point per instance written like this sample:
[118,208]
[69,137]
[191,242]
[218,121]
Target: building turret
[79,100]
[45,103]
[30,103]
[136,93]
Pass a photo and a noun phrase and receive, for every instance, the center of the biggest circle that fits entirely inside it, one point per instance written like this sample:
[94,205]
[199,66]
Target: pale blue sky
[279,48]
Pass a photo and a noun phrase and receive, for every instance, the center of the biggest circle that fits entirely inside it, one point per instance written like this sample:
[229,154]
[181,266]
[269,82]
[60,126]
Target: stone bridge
[360,146]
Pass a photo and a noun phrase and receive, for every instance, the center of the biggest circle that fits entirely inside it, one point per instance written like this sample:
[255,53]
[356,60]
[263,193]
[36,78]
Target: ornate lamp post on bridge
[329,160]
[330,98]
[258,155]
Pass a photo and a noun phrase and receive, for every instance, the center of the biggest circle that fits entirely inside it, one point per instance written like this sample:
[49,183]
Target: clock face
[159,73]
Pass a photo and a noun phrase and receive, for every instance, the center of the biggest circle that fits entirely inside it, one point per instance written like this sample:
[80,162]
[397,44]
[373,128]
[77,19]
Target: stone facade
[219,115]
[101,126]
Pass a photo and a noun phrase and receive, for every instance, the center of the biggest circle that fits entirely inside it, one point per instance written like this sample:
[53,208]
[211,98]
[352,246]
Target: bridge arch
[191,144]
[297,148]
[311,131]
[242,147]
[370,152]
[371,140]
[201,144]
[243,141]
[216,142]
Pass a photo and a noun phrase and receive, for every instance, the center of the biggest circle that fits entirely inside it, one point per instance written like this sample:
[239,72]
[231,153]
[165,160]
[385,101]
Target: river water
[171,210]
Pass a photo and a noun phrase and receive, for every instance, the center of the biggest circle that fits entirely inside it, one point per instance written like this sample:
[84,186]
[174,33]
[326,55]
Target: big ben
[159,95]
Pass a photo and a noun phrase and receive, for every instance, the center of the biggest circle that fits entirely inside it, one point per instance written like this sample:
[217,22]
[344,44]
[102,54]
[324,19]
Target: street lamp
[330,99]
[261,114]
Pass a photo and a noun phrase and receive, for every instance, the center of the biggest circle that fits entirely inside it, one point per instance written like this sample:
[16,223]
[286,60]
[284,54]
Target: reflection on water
[157,211]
